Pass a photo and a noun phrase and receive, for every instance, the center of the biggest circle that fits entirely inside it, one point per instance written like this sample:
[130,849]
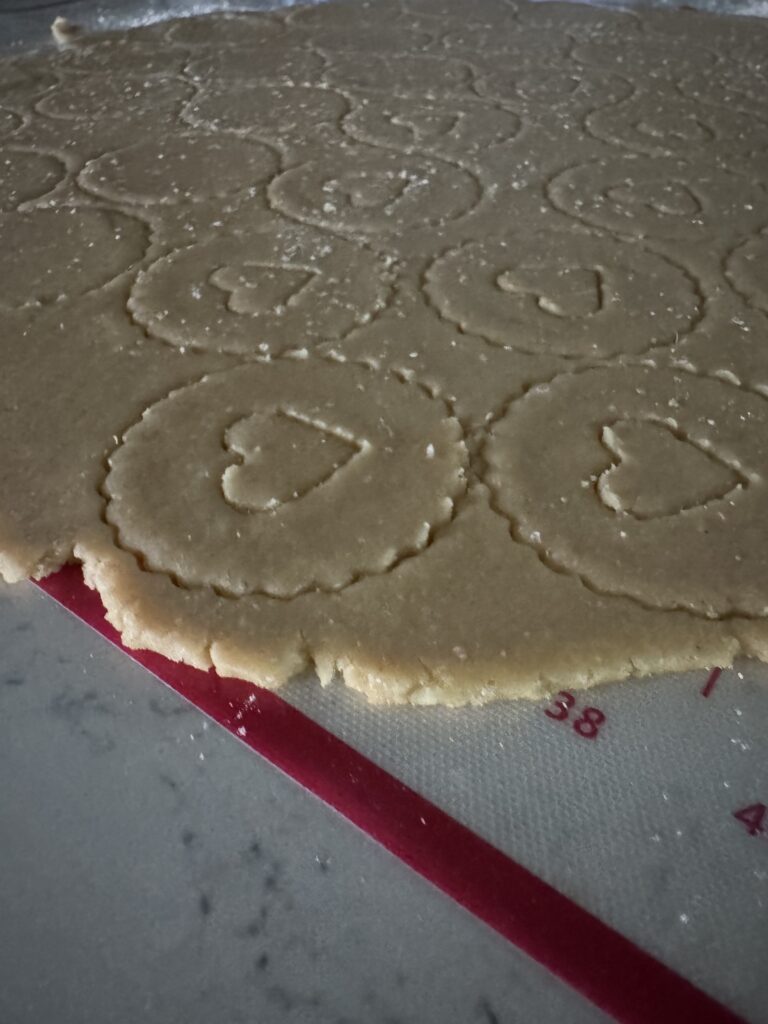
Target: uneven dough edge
[154,620]
[22,559]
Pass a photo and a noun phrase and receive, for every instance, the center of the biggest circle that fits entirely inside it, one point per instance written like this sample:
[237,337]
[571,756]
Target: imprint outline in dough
[45,185]
[203,29]
[716,134]
[111,98]
[478,274]
[675,562]
[382,113]
[71,263]
[210,146]
[351,284]
[672,182]
[239,554]
[754,288]
[277,105]
[296,194]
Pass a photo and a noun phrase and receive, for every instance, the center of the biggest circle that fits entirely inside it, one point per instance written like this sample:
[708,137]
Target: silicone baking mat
[619,837]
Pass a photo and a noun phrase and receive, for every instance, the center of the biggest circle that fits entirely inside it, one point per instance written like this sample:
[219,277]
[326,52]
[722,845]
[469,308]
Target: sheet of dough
[423,344]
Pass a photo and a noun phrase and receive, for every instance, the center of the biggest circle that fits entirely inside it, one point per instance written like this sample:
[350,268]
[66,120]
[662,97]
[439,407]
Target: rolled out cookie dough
[286,479]
[276,286]
[58,254]
[577,297]
[178,169]
[655,485]
[27,176]
[427,350]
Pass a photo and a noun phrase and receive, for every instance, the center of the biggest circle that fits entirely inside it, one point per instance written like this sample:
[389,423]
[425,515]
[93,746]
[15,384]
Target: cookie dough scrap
[356,346]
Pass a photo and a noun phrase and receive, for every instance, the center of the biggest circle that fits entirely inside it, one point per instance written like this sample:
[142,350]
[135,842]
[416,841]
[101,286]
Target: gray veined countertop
[154,869]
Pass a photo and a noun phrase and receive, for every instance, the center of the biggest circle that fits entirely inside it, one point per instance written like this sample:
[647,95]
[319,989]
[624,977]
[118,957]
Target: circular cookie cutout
[659,197]
[431,78]
[178,169]
[374,191]
[27,175]
[287,114]
[370,40]
[646,483]
[277,287]
[677,127]
[747,270]
[21,84]
[736,86]
[284,477]
[473,40]
[564,294]
[640,55]
[459,130]
[57,253]
[540,87]
[88,98]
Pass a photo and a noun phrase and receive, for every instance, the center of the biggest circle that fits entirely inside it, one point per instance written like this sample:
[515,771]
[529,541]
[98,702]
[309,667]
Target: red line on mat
[709,686]
[593,958]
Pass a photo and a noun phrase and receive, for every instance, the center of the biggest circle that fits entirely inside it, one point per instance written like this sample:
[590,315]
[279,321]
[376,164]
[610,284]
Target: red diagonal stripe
[593,958]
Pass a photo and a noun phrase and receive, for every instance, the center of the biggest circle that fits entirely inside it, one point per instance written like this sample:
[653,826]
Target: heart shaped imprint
[659,472]
[655,485]
[579,291]
[284,456]
[256,288]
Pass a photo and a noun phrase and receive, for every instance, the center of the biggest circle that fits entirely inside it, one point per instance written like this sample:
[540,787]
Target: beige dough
[57,254]
[273,287]
[287,65]
[366,191]
[236,30]
[626,521]
[9,123]
[735,87]
[591,297]
[141,53]
[660,197]
[85,98]
[428,77]
[747,271]
[424,348]
[26,176]
[176,170]
[651,124]
[285,478]
[537,86]
[293,116]
[458,131]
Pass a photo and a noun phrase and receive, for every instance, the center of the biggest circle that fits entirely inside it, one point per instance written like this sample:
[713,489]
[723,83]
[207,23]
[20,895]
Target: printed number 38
[587,724]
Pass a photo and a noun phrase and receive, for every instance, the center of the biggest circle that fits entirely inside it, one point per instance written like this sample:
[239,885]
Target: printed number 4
[586,725]
[752,818]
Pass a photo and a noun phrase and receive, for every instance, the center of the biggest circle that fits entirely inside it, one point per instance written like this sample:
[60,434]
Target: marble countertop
[154,869]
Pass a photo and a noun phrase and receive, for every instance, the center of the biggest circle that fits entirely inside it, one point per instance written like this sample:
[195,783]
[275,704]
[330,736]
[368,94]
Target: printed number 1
[586,725]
